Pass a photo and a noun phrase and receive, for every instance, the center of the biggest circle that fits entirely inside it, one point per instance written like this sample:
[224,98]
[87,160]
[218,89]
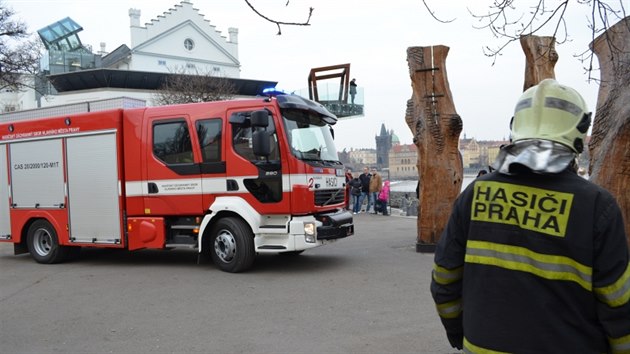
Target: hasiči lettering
[530,208]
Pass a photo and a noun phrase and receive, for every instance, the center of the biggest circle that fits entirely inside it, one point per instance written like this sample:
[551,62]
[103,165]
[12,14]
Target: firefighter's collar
[539,156]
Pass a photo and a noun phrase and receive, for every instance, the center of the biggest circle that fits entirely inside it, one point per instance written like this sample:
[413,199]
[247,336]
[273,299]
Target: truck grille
[329,196]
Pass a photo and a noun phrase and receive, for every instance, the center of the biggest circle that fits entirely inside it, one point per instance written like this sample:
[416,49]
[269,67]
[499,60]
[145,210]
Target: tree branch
[508,23]
[19,59]
[197,85]
[278,23]
[432,13]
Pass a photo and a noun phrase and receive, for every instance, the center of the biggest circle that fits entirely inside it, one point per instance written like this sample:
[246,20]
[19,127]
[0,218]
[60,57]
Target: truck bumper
[329,228]
[335,225]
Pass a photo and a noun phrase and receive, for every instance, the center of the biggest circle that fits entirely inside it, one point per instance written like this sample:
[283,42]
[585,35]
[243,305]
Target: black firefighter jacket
[534,264]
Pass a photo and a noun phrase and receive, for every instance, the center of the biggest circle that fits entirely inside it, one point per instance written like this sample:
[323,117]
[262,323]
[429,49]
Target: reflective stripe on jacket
[534,263]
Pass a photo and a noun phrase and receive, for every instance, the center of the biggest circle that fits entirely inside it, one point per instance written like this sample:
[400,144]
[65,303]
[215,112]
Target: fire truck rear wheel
[43,243]
[232,245]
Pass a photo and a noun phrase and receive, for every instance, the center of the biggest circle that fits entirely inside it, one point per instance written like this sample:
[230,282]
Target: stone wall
[401,203]
[405,201]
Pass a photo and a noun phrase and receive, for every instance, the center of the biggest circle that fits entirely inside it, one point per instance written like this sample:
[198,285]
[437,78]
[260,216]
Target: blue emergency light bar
[272,92]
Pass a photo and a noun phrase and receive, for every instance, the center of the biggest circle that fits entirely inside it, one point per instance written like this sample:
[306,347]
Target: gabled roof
[143,80]
[180,16]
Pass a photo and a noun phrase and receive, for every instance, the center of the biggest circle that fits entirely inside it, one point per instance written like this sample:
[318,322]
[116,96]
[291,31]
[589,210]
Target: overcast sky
[371,35]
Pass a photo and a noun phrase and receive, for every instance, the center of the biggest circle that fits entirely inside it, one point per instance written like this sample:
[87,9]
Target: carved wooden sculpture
[436,126]
[540,59]
[610,140]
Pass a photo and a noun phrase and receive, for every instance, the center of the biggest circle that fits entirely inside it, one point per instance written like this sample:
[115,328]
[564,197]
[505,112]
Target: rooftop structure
[178,42]
[62,35]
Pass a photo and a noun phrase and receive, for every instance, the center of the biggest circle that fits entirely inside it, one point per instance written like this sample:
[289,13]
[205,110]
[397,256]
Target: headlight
[310,232]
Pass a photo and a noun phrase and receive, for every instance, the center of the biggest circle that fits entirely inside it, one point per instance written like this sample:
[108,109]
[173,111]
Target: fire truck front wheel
[232,245]
[43,243]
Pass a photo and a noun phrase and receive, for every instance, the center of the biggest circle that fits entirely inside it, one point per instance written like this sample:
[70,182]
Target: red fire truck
[231,179]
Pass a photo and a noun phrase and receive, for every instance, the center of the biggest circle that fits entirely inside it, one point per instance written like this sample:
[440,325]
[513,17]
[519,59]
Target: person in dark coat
[355,192]
[365,185]
[349,178]
[534,258]
[353,90]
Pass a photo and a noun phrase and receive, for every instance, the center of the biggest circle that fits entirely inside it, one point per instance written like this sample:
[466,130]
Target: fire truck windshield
[309,136]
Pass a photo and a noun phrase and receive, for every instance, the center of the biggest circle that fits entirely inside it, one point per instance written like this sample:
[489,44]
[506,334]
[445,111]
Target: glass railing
[330,97]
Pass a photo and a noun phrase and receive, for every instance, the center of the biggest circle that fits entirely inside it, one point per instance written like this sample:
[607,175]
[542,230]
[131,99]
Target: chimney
[134,17]
[233,35]
[137,33]
[103,50]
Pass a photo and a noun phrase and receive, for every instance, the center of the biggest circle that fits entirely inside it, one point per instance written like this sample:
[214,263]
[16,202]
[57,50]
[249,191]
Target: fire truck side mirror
[260,119]
[260,137]
[260,143]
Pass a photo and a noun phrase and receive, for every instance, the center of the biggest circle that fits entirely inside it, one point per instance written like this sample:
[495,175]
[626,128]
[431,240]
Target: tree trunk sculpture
[540,59]
[436,126]
[610,139]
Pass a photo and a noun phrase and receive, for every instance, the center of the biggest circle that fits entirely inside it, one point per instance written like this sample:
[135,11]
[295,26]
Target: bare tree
[19,53]
[279,23]
[184,86]
[509,20]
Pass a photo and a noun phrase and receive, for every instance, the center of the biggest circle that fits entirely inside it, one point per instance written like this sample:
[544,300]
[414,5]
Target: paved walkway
[368,293]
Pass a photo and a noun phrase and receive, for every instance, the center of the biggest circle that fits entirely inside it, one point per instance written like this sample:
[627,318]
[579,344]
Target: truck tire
[43,243]
[232,245]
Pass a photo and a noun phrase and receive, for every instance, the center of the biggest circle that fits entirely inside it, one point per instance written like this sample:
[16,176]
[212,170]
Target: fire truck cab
[230,179]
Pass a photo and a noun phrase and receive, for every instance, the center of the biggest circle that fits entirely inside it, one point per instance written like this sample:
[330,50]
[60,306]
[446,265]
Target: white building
[363,157]
[179,39]
[12,99]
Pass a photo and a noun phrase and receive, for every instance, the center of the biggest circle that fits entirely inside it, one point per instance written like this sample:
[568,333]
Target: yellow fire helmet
[551,111]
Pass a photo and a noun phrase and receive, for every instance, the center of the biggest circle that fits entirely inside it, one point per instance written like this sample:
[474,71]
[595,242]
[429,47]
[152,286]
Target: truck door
[213,167]
[172,170]
[93,191]
[258,179]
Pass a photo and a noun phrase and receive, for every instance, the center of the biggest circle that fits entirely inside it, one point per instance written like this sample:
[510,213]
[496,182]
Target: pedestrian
[355,192]
[376,183]
[365,186]
[348,187]
[383,198]
[534,258]
[353,89]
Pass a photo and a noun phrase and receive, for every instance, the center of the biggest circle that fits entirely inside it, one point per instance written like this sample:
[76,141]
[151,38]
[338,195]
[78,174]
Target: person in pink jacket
[381,200]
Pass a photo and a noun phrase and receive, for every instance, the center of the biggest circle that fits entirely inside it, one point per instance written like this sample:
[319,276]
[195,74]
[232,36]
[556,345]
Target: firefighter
[534,258]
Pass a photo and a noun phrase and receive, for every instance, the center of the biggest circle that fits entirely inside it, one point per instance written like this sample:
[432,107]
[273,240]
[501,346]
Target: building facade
[362,157]
[179,40]
[471,152]
[478,155]
[403,159]
[403,162]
